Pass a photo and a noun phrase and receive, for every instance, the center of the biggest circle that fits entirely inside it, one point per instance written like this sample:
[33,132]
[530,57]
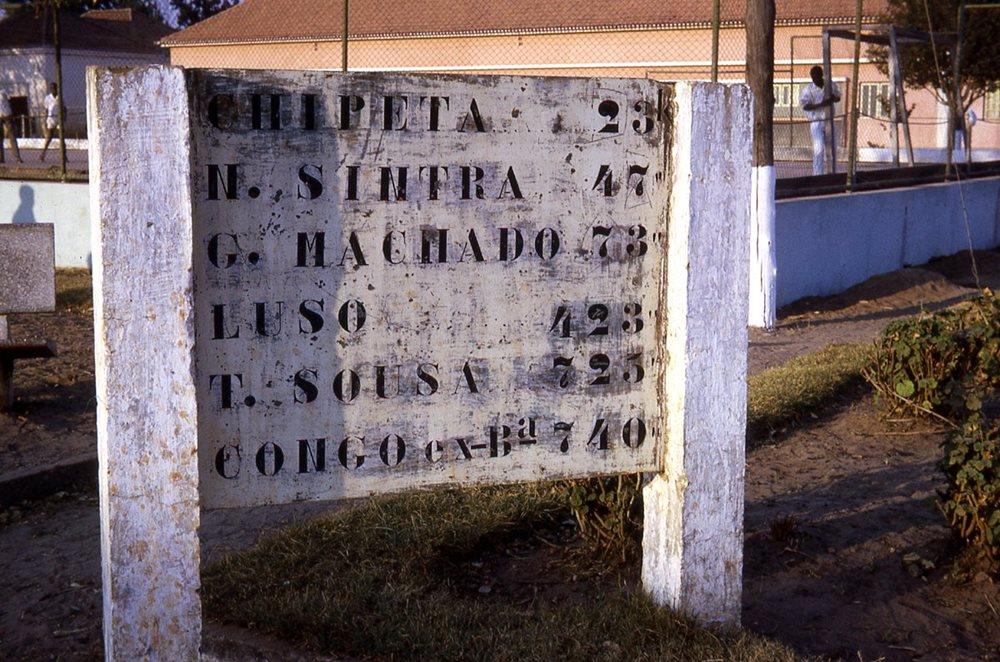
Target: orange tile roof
[262,21]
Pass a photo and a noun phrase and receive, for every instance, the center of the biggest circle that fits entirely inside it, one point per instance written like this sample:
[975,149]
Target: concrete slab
[27,268]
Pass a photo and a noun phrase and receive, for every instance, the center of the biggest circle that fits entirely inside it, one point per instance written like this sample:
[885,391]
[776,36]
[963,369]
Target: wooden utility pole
[716,21]
[343,41]
[57,42]
[760,77]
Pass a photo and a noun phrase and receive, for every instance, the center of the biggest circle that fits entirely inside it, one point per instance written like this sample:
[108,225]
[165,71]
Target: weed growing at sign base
[380,580]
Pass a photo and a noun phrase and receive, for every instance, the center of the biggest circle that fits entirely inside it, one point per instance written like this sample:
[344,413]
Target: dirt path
[834,584]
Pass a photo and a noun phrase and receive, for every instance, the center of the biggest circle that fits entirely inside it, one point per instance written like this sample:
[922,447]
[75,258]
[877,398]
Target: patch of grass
[383,580]
[74,291]
[784,394]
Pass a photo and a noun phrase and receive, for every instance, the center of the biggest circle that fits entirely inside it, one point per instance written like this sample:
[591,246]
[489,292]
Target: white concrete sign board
[340,285]
[405,281]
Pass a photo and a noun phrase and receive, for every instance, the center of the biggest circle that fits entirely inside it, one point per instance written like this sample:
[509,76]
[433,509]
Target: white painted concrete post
[763,266]
[693,535]
[144,338]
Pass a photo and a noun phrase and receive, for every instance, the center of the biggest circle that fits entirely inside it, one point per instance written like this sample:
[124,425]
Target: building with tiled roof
[665,39]
[116,37]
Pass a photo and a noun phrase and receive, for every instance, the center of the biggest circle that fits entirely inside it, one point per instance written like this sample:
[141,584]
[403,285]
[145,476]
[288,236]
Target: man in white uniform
[7,126]
[815,98]
[51,102]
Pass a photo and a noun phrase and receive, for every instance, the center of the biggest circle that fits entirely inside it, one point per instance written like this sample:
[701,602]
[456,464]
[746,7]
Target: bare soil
[833,509]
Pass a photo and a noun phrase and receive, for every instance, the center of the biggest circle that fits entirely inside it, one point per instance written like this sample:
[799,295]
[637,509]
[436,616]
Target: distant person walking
[963,136]
[7,127]
[815,98]
[51,102]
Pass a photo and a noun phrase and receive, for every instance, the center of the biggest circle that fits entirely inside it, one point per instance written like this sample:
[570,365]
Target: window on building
[991,106]
[874,100]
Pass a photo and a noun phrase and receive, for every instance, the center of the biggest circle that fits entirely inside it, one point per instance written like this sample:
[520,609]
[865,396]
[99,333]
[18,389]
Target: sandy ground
[832,509]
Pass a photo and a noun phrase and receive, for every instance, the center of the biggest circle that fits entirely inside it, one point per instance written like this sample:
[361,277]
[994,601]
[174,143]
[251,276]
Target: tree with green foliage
[931,65]
[193,11]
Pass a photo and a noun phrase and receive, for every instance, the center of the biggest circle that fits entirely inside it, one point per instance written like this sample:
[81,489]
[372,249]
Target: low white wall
[64,204]
[826,244]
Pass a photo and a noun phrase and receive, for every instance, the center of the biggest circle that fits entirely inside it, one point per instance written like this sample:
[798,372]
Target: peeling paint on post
[144,340]
[408,281]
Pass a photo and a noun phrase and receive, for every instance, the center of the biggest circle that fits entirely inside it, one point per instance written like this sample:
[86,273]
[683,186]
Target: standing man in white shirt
[7,126]
[815,98]
[51,102]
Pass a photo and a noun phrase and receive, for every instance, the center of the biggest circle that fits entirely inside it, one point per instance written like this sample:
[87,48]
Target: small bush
[608,511]
[971,502]
[940,363]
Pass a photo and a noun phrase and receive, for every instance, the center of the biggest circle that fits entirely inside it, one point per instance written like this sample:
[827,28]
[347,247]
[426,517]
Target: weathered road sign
[404,281]
[322,286]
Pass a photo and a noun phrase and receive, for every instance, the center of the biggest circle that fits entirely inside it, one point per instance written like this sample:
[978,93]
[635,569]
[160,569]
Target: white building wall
[28,71]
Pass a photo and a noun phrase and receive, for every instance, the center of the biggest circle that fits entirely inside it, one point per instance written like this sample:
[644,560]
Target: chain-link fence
[675,41]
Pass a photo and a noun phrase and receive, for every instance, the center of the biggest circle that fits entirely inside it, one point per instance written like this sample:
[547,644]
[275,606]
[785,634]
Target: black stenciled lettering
[346,385]
[470,380]
[604,181]
[275,112]
[264,326]
[510,179]
[562,324]
[229,258]
[225,387]
[219,324]
[255,111]
[228,184]
[565,375]
[305,389]
[311,311]
[475,117]
[600,363]
[499,444]
[634,371]
[309,112]
[350,108]
[563,428]
[599,435]
[608,109]
[344,451]
[648,112]
[431,238]
[427,373]
[634,432]
[310,247]
[352,316]
[397,184]
[269,451]
[353,172]
[392,450]
[433,179]
[394,113]
[463,446]
[434,113]
[313,182]
[224,458]
[506,255]
[547,243]
[308,456]
[602,232]
[527,434]
[392,253]
[472,245]
[598,312]
[222,111]
[380,381]
[353,250]
[433,451]
[637,171]
[472,175]
[632,319]
[637,247]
